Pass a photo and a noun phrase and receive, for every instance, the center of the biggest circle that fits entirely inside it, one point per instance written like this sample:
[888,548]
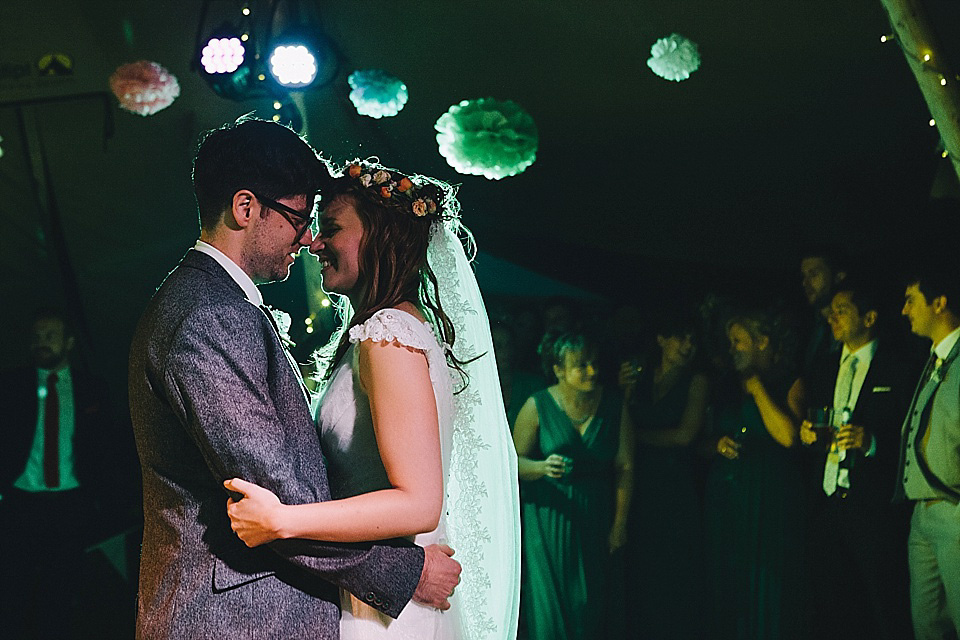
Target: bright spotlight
[293,65]
[222,55]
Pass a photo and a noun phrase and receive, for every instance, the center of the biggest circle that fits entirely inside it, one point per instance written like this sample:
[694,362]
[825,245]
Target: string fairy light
[926,63]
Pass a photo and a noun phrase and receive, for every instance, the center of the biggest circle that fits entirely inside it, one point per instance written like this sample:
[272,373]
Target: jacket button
[370,596]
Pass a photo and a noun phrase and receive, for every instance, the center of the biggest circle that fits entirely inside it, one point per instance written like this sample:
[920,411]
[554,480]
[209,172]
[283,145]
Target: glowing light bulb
[293,66]
[309,329]
[276,105]
[932,122]
[245,37]
[246,11]
[926,57]
[276,117]
[883,38]
[325,302]
[222,55]
[943,82]
[308,321]
[944,154]
[261,77]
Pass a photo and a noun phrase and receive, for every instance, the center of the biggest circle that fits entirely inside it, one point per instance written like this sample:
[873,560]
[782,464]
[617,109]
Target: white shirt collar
[238,274]
[864,354]
[946,345]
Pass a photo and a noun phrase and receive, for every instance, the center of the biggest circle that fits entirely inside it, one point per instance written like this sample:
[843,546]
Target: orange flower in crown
[396,187]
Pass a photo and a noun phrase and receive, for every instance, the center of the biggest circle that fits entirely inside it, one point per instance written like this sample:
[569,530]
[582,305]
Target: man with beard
[57,435]
[820,272]
[215,395]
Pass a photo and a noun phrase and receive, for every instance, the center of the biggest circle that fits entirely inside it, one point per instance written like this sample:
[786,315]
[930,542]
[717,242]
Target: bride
[410,418]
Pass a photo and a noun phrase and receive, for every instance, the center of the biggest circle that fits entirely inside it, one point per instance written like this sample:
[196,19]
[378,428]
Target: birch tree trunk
[918,40]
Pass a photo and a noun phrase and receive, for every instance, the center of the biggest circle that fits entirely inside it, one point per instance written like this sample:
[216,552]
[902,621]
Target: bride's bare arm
[404,409]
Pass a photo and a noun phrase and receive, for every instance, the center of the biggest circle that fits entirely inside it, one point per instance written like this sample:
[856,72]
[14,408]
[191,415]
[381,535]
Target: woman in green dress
[575,445]
[753,489]
[668,404]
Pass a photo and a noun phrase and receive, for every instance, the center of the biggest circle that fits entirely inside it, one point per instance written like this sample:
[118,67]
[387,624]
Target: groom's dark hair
[267,158]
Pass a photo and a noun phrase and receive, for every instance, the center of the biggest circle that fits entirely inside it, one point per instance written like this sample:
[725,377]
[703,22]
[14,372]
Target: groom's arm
[216,377]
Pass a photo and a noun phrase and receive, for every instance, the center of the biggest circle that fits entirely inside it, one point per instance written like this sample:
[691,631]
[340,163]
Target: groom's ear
[242,208]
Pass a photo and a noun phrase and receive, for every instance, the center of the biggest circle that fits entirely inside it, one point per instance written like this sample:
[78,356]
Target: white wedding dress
[354,467]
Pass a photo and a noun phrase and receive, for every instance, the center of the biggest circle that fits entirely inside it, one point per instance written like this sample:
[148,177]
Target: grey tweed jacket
[213,396]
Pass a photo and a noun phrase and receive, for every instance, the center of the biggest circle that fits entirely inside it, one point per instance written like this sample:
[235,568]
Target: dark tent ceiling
[800,126]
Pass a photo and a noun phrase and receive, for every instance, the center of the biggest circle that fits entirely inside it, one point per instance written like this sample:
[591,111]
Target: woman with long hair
[413,430]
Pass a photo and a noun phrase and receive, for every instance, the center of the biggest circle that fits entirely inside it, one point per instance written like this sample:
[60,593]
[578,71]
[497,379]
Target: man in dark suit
[215,395]
[929,473]
[858,573]
[58,451]
[821,270]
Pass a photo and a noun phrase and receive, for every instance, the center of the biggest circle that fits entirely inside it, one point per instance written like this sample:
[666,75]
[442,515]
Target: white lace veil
[482,490]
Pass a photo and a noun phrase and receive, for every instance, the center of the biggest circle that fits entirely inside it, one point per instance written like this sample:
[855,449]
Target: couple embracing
[266,519]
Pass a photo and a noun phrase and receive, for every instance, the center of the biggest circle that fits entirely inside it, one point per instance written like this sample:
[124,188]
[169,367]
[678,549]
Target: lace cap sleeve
[393,325]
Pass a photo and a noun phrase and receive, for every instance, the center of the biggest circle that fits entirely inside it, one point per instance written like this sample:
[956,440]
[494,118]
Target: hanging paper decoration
[487,137]
[144,87]
[674,58]
[376,93]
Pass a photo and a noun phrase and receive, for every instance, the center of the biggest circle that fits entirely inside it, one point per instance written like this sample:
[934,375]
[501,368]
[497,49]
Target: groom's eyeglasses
[304,220]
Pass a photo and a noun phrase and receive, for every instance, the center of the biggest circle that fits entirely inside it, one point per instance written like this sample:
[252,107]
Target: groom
[214,395]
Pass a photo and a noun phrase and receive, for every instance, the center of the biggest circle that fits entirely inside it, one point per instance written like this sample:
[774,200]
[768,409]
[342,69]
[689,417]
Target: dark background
[800,127]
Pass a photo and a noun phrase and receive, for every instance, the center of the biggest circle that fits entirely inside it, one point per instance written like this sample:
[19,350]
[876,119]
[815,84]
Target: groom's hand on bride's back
[441,574]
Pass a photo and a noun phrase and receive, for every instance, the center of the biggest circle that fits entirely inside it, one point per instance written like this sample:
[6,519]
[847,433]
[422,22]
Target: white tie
[833,475]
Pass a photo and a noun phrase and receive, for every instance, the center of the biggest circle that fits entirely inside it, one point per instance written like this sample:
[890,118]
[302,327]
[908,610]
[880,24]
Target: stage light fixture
[228,64]
[293,65]
[222,55]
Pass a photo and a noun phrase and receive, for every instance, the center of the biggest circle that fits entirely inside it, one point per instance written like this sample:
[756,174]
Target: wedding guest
[821,269]
[575,445]
[668,404]
[856,535]
[930,451]
[752,501]
[60,446]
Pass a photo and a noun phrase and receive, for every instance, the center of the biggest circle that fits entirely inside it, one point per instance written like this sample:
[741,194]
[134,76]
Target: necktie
[841,401]
[51,434]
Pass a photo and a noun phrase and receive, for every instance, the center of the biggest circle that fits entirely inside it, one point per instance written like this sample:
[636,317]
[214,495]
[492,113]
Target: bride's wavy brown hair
[393,266]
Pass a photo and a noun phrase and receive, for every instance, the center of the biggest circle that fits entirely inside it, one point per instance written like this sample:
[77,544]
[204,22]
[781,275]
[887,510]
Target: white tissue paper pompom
[144,87]
[487,137]
[376,93]
[674,58]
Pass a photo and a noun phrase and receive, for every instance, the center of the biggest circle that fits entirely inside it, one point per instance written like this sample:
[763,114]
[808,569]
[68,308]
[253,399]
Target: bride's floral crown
[421,201]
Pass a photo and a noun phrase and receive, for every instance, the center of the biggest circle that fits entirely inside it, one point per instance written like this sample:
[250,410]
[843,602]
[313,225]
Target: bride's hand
[257,517]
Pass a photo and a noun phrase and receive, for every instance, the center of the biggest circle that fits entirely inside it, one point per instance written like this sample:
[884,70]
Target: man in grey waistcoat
[214,395]
[930,454]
